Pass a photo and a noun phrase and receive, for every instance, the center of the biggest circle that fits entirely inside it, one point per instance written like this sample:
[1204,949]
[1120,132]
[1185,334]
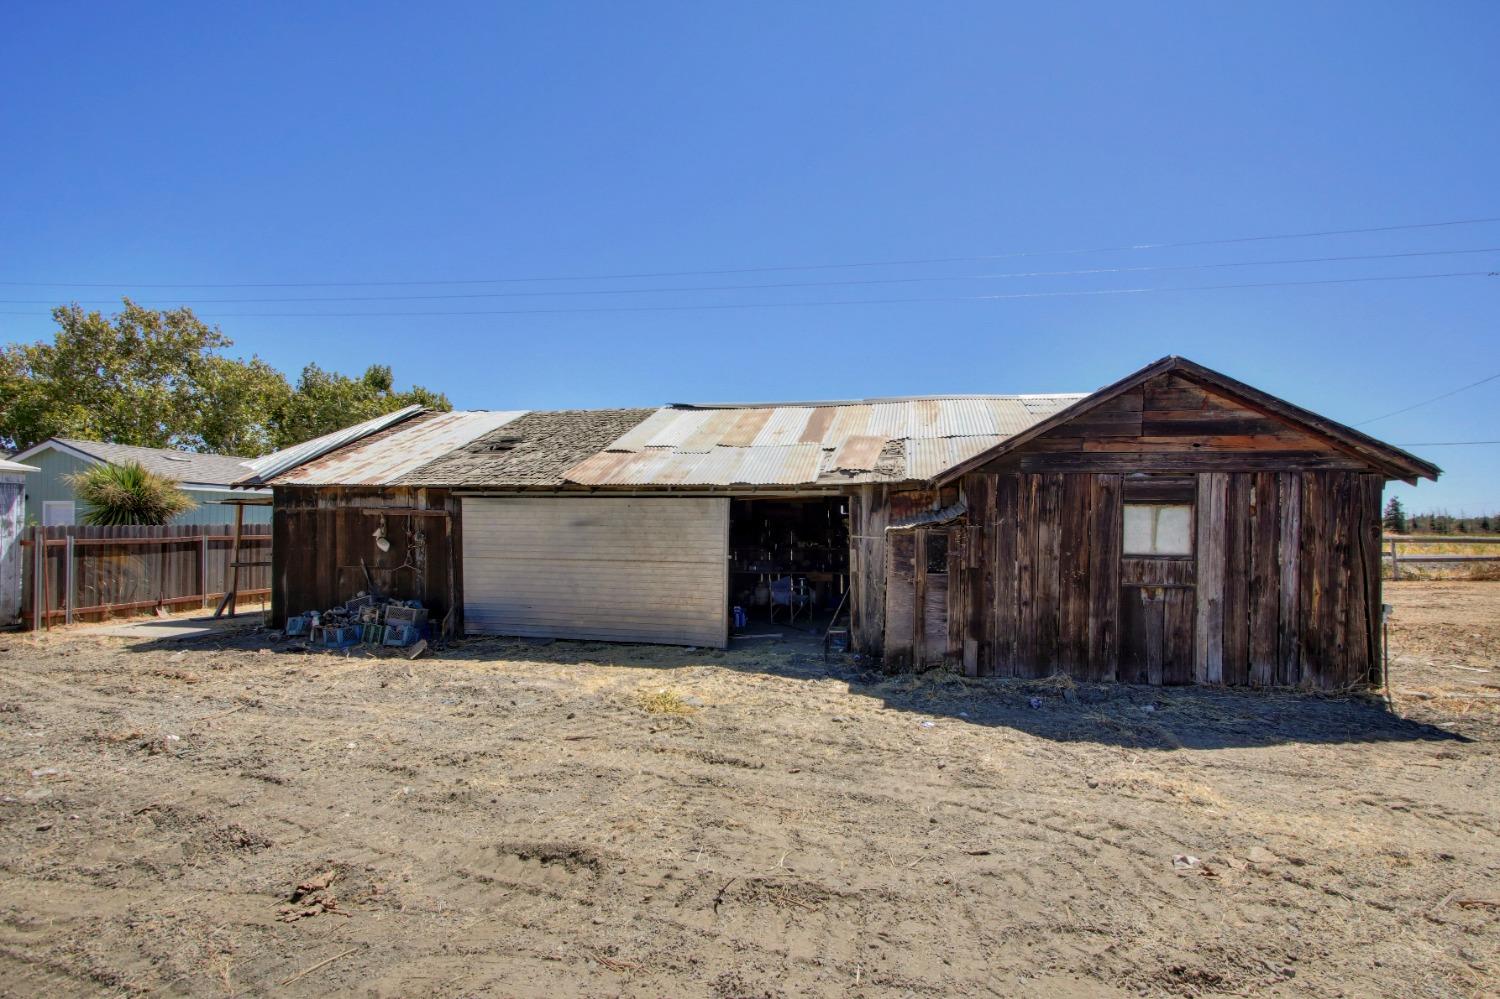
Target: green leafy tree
[127,494]
[160,379]
[1395,516]
[144,377]
[324,401]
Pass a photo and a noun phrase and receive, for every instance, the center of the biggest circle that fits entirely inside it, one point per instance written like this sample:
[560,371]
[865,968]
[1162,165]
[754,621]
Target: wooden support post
[68,580]
[1395,561]
[234,565]
[203,568]
[38,576]
[44,599]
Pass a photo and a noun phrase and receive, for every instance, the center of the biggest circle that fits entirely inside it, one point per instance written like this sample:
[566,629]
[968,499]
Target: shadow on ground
[1125,715]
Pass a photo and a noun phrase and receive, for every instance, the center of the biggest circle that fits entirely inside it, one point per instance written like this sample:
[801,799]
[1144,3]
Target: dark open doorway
[788,565]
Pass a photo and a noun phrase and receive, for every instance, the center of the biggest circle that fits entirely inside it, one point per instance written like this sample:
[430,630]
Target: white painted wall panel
[614,569]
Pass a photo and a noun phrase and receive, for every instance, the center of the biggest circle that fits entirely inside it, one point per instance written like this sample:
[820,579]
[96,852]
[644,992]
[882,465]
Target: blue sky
[279,143]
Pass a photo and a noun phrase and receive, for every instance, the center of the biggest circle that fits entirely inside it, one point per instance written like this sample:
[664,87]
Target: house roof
[181,466]
[534,450]
[14,466]
[805,445]
[1390,459]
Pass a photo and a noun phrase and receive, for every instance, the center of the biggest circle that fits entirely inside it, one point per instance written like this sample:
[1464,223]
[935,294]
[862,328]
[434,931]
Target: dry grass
[663,701]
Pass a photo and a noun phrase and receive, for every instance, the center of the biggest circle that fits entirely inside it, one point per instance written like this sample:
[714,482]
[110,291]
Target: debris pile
[311,898]
[365,620]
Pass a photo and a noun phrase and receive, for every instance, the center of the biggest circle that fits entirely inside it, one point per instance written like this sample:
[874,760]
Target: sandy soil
[512,819]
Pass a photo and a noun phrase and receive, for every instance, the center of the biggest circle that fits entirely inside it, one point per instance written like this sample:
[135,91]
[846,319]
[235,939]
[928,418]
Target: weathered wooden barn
[1175,527]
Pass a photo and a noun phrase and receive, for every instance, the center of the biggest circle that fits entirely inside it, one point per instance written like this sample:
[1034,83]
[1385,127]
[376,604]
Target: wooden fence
[90,573]
[1390,554]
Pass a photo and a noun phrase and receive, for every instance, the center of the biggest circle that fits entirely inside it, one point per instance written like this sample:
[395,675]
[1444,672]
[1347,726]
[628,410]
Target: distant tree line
[162,379]
[1397,521]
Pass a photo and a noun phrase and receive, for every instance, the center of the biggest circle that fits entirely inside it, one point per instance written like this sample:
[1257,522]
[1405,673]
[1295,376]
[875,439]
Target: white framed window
[58,513]
[1158,529]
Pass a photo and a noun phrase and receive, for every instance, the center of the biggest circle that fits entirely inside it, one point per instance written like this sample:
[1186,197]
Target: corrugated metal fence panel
[637,570]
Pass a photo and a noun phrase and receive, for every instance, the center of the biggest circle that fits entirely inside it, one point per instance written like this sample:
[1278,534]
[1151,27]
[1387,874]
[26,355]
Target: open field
[525,819]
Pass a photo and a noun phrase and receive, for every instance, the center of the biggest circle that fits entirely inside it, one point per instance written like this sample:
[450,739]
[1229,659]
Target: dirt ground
[571,819]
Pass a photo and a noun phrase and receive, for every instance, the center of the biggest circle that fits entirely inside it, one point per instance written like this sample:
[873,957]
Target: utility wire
[788,267]
[1424,402]
[794,284]
[838,302]
[1446,443]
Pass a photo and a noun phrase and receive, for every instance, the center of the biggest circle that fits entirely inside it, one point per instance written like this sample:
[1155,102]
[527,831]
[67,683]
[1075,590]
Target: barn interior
[788,564]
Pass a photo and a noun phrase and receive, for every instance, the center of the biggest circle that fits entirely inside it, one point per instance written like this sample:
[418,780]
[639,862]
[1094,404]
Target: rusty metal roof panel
[927,457]
[812,443]
[636,437]
[683,425]
[380,460]
[267,467]
[1043,406]
[856,454]
[784,426]
[965,417]
[890,420]
[781,465]
[848,421]
[711,431]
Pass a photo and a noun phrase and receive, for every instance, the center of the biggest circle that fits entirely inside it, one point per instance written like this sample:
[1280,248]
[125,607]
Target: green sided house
[51,501]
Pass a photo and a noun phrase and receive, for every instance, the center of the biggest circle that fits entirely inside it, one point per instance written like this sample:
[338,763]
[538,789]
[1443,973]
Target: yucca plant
[119,495]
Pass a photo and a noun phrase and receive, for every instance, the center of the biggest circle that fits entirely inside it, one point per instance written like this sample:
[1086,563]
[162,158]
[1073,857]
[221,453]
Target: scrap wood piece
[1477,903]
[719,898]
[613,964]
[315,884]
[319,966]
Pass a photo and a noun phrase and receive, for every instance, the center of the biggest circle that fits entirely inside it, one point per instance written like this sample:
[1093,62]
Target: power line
[1128,247]
[1446,443]
[797,284]
[1424,402]
[716,307]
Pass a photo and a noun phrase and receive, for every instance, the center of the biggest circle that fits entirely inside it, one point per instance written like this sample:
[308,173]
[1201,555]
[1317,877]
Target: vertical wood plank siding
[320,535]
[1283,587]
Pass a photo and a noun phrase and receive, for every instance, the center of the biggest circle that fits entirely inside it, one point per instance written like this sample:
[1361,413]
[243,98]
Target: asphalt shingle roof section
[533,450]
[183,466]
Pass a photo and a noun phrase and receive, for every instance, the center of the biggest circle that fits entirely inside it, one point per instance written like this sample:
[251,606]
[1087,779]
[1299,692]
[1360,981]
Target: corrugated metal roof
[811,443]
[379,461]
[927,457]
[269,466]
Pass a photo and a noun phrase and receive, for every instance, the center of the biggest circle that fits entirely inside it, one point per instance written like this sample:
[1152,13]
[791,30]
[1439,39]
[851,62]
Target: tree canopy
[162,379]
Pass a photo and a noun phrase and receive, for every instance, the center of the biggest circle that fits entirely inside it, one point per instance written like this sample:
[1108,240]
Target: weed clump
[663,702]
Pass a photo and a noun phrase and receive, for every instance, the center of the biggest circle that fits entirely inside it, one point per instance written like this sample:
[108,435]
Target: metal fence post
[68,581]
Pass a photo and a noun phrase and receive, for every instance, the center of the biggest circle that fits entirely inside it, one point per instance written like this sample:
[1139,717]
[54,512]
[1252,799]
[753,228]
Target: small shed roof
[382,456]
[15,466]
